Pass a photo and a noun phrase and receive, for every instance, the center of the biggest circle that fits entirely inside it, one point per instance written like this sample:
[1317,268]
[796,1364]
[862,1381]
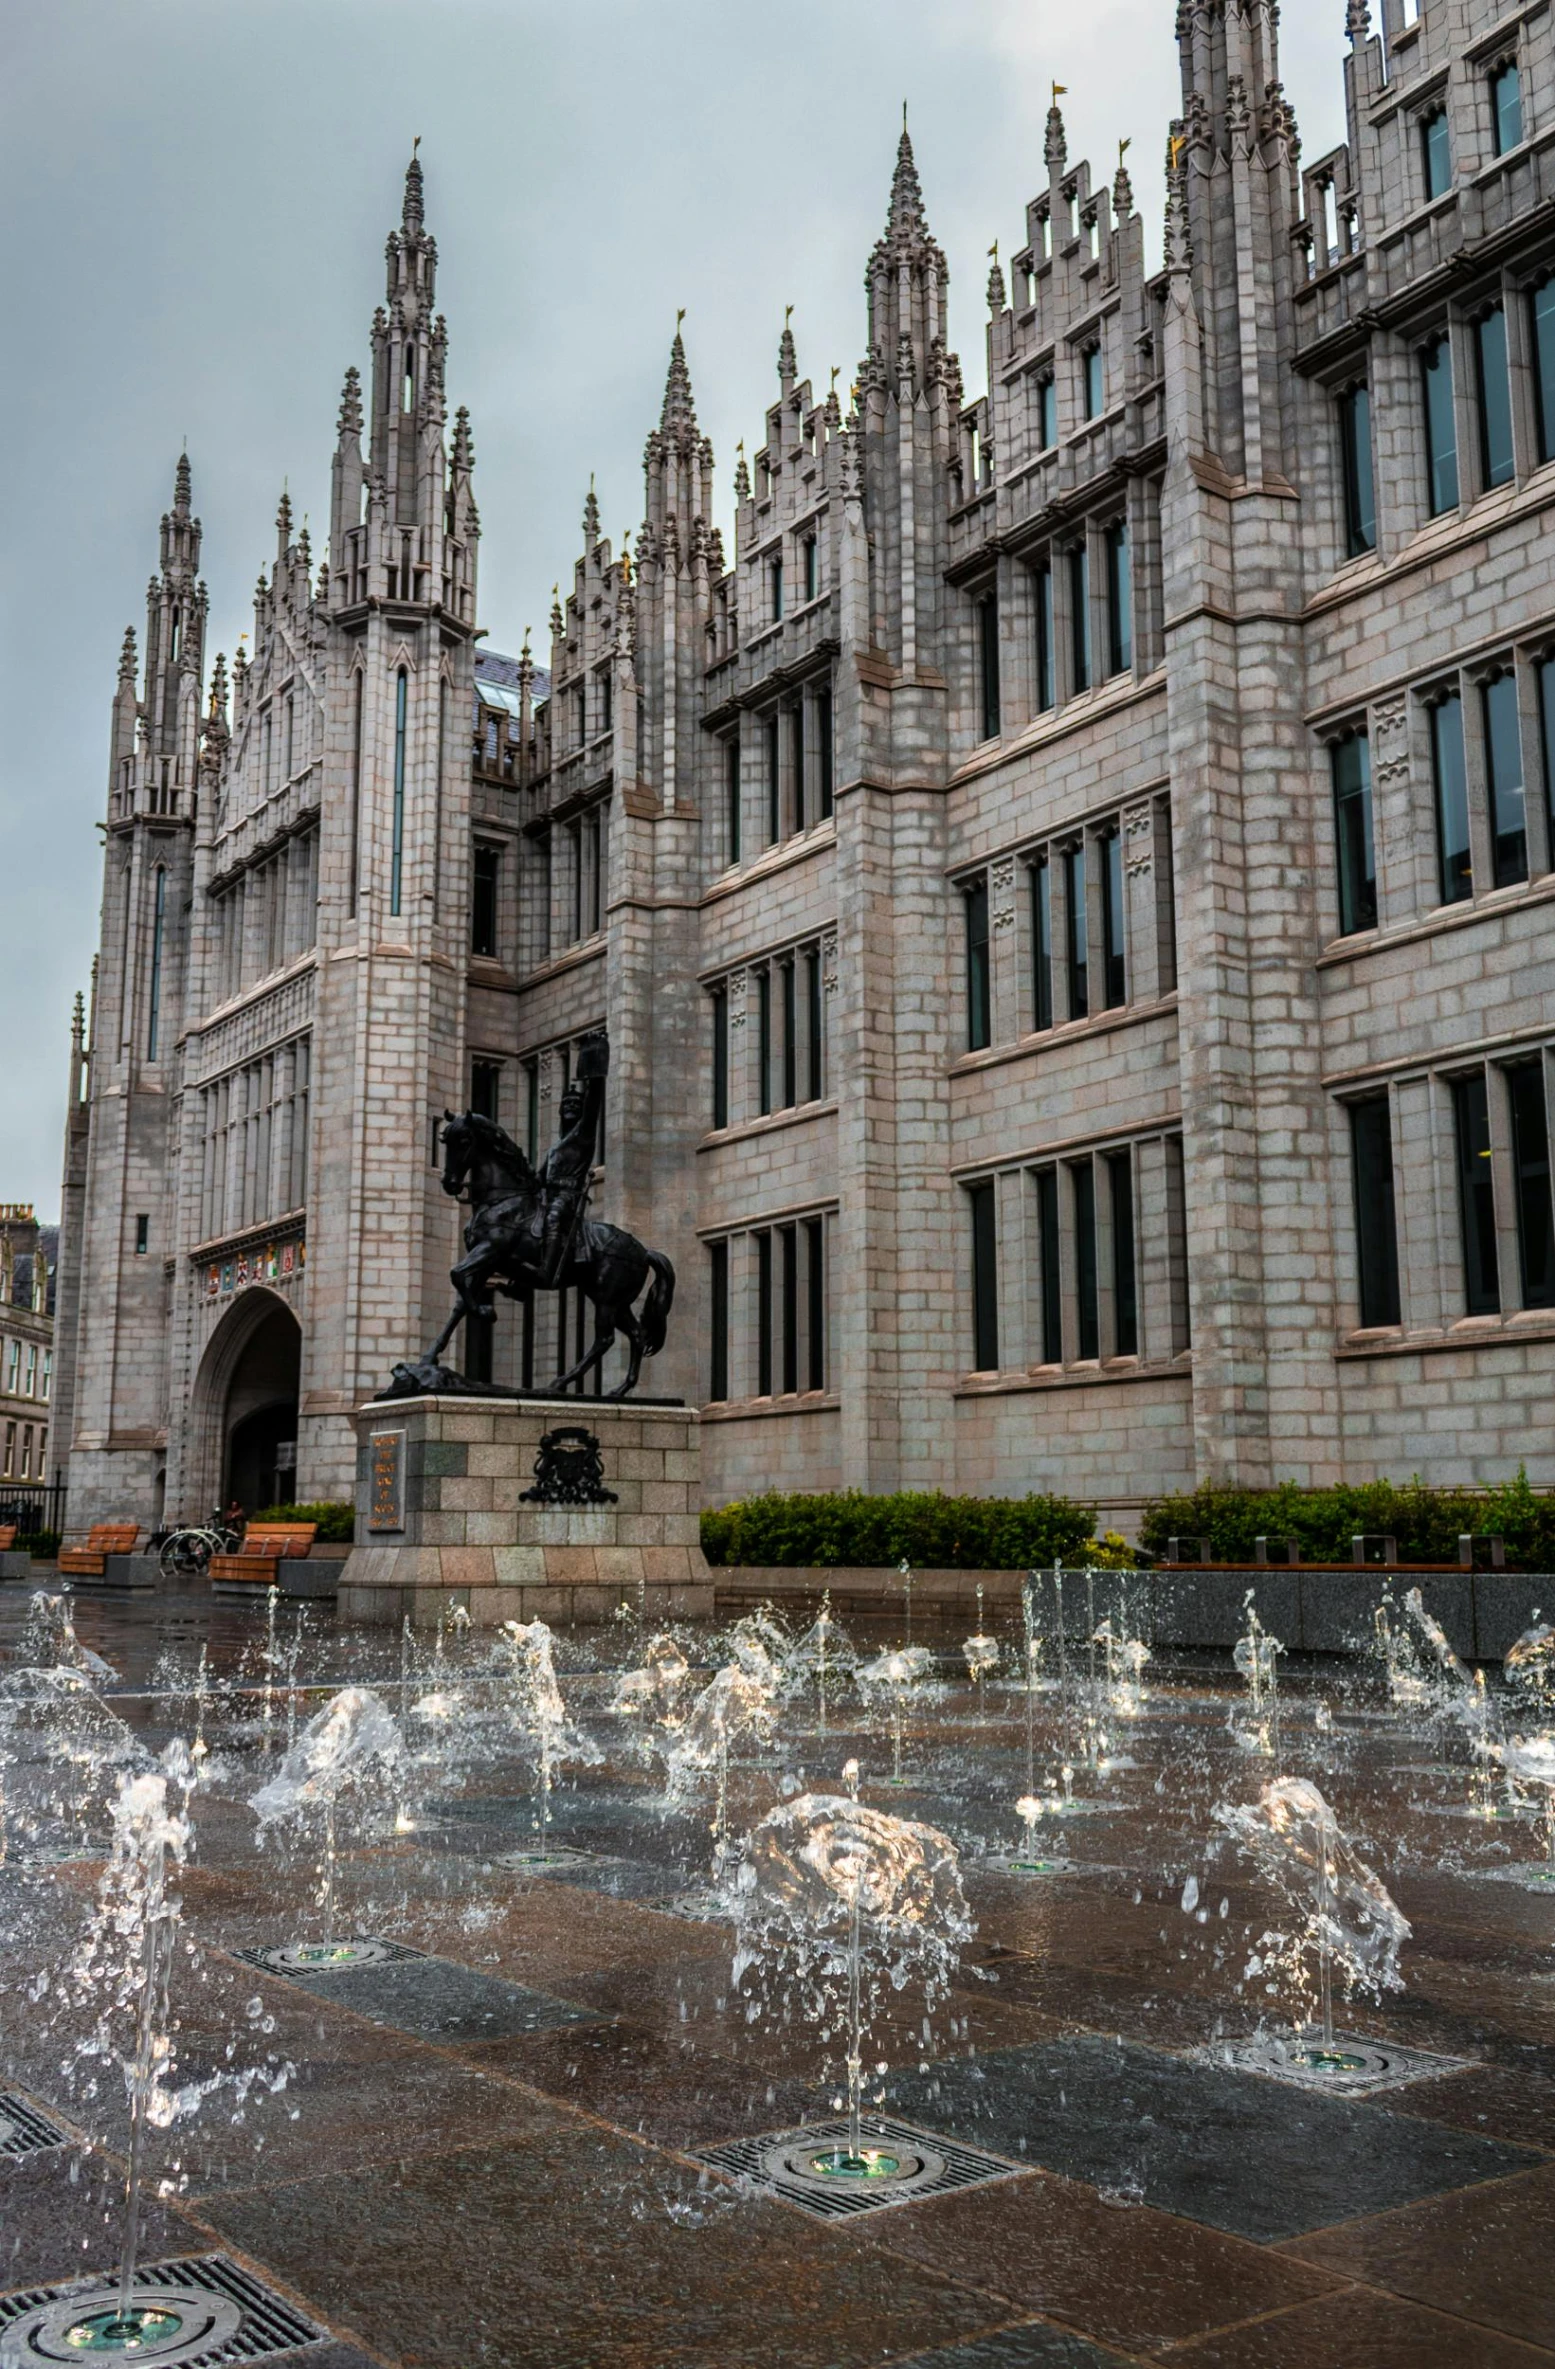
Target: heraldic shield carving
[569,1470]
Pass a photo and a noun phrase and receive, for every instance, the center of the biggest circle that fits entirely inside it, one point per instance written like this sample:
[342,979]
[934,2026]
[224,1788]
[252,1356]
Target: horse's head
[474,1144]
[458,1135]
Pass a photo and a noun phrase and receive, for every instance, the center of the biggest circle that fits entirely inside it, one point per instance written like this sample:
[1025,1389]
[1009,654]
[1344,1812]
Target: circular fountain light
[162,2324]
[870,2163]
[1330,2060]
[318,1957]
[825,2158]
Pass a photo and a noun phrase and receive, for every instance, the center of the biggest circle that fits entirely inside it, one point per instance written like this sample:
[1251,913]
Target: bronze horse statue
[529,1231]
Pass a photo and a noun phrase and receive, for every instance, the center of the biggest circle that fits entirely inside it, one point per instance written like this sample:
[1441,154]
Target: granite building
[1071,894]
[28,1256]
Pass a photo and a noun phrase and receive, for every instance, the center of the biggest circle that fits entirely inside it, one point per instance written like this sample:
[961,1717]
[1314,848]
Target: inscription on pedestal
[386,1464]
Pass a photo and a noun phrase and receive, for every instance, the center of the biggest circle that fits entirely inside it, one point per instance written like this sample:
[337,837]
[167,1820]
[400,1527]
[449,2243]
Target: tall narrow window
[1547,738]
[1353,834]
[1047,411]
[486,1089]
[796,721]
[775,587]
[732,797]
[1047,651]
[356,781]
[607,699]
[812,567]
[1360,501]
[1120,600]
[1075,934]
[1504,775]
[1082,1181]
[763,1242]
[1042,943]
[1125,1297]
[1435,153]
[1454,858]
[774,779]
[815,1283]
[1506,107]
[1091,376]
[1495,398]
[1476,1196]
[1114,926]
[1531,1176]
[825,752]
[979,981]
[532,1110]
[158,931]
[985,1278]
[789,980]
[1441,431]
[718,1320]
[1376,1230]
[815,1084]
[764,1039]
[575,853]
[788,1268]
[720,1002]
[1050,1293]
[1541,309]
[1080,616]
[988,664]
[397,848]
[483,900]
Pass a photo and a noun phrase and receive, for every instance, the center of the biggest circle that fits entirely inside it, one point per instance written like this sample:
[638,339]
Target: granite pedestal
[447,1513]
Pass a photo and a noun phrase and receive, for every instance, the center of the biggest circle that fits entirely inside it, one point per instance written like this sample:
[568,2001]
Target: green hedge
[932,1531]
[336,1521]
[44,1544]
[1426,1522]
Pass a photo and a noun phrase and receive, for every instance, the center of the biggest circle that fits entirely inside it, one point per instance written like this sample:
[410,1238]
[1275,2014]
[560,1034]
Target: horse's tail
[656,1307]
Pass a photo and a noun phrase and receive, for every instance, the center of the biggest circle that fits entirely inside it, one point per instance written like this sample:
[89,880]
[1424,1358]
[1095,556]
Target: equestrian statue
[530,1231]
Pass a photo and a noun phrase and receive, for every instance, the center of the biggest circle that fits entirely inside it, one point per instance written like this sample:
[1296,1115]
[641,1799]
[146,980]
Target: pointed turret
[678,414]
[907,282]
[788,360]
[591,517]
[413,213]
[677,459]
[1055,144]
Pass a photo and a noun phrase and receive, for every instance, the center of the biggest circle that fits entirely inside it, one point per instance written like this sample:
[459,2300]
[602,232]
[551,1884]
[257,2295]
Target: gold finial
[679,317]
[1060,91]
[1123,148]
[1175,147]
[836,373]
[788,314]
[415,144]
[994,251]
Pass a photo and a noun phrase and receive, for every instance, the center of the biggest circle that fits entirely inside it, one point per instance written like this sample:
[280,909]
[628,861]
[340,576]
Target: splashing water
[1530,1666]
[1347,1917]
[733,1706]
[538,1712]
[896,1676]
[348,1753]
[1395,1648]
[655,1695]
[58,1743]
[1256,1657]
[824,1655]
[49,1642]
[834,1893]
[981,1653]
[1531,1761]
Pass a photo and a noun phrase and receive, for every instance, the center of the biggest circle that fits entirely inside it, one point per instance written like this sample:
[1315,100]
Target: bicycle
[186,1553]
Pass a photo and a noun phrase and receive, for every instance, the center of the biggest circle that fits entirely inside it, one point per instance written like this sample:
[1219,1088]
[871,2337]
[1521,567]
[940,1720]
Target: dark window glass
[142,1235]
[788,1245]
[763,1315]
[1047,655]
[1047,412]
[1075,929]
[1495,398]
[1435,153]
[1506,107]
[988,663]
[801,786]
[1094,389]
[1476,1196]
[397,838]
[720,1058]
[718,1319]
[483,901]
[732,817]
[1114,963]
[1353,833]
[1083,1185]
[1120,600]
[1376,1235]
[1504,773]
[985,1279]
[812,567]
[158,933]
[815,1277]
[1360,503]
[486,1089]
[790,985]
[532,1110]
[1441,429]
[764,1040]
[1531,1172]
[1125,1301]
[1541,307]
[824,750]
[1454,860]
[1042,943]
[815,1084]
[979,983]
[774,780]
[1547,735]
[1048,1267]
[1080,615]
[775,580]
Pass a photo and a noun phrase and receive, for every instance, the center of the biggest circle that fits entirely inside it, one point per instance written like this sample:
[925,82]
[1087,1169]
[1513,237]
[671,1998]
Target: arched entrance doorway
[244,1431]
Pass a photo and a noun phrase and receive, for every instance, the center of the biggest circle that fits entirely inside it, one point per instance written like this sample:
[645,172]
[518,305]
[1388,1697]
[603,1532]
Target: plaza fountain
[348,1759]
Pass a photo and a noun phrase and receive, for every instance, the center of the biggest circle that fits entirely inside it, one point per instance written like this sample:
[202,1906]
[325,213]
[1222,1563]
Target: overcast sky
[195,200]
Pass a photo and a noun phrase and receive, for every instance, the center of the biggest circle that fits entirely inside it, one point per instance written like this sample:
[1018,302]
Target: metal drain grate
[1353,2068]
[340,1957]
[223,2315]
[924,2165]
[23,2130]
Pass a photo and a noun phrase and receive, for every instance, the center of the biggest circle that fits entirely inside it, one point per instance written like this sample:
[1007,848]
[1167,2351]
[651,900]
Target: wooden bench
[7,1537]
[265,1545]
[102,1540]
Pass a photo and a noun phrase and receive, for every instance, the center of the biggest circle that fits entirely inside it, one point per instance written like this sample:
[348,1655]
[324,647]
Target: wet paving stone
[1031,2347]
[433,1999]
[1355,2329]
[1230,2150]
[60,2216]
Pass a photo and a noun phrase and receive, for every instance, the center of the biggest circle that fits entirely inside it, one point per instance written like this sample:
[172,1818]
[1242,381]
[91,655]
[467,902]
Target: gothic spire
[788,360]
[351,404]
[591,517]
[679,410]
[127,656]
[413,214]
[1055,146]
[906,221]
[181,487]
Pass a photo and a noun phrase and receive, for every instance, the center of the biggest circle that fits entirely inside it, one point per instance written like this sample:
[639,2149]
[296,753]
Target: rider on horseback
[565,1171]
